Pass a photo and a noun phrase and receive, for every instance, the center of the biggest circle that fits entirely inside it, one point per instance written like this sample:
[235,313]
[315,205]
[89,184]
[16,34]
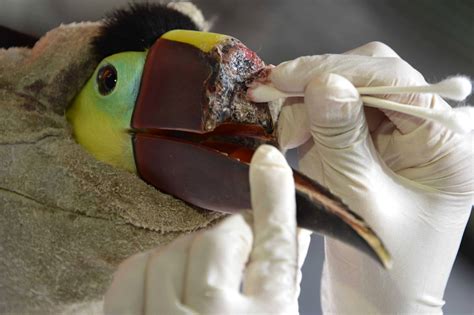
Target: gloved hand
[201,273]
[410,179]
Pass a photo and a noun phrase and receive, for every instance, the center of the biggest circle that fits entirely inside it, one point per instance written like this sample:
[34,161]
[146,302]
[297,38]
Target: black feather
[137,27]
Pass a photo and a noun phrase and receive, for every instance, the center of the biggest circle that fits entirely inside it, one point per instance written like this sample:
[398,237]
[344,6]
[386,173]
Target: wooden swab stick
[454,88]
[460,119]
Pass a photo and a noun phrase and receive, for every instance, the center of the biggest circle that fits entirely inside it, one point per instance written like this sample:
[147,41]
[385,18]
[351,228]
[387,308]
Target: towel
[66,219]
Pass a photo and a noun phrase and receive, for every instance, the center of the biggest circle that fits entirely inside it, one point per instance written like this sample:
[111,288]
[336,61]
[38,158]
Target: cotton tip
[462,119]
[455,88]
[264,93]
[267,93]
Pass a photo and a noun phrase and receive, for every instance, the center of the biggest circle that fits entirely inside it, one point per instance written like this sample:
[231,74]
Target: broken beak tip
[386,260]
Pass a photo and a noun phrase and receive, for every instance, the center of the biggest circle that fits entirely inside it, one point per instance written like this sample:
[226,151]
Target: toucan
[168,102]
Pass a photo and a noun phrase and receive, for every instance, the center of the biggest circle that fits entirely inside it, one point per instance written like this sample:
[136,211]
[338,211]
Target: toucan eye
[106,79]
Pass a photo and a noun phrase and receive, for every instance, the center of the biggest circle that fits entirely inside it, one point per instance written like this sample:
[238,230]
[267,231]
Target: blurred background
[435,36]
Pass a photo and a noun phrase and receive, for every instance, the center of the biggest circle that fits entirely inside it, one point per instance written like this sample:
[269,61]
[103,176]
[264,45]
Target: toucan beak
[194,133]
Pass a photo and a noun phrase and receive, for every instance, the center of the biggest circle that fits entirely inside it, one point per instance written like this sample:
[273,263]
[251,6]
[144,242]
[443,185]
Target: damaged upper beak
[196,81]
[194,133]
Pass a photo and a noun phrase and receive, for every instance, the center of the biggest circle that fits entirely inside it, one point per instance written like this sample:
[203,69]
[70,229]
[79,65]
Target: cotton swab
[460,120]
[454,88]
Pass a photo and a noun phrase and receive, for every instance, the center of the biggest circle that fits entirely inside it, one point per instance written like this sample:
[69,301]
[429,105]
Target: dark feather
[137,27]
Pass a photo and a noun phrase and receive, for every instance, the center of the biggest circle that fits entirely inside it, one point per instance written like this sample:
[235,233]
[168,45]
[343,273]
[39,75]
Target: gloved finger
[165,278]
[335,111]
[376,118]
[372,64]
[273,267]
[126,294]
[438,158]
[217,259]
[293,124]
[294,75]
[341,153]
[373,49]
[304,239]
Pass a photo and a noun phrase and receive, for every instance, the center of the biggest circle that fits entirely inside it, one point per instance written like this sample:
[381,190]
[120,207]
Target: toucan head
[168,102]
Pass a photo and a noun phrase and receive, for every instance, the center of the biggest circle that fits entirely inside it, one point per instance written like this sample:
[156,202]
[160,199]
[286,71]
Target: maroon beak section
[184,88]
[172,93]
[192,172]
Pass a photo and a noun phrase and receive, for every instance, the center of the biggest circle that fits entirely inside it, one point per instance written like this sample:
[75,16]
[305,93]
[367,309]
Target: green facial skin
[101,118]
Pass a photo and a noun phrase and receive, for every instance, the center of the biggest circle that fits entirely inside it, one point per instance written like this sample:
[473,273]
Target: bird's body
[176,114]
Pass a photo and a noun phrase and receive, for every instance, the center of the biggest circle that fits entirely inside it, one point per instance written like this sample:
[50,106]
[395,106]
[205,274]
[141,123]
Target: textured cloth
[66,219]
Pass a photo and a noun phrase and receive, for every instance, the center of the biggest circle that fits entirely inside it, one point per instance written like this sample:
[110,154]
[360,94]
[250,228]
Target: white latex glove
[202,273]
[412,180]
